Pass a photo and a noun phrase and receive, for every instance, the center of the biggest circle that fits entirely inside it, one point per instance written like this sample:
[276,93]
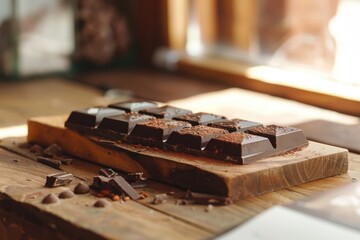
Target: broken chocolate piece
[123,124]
[66,160]
[81,188]
[53,150]
[194,138]
[58,179]
[159,198]
[107,172]
[101,182]
[200,118]
[50,199]
[121,185]
[155,132]
[167,112]
[282,138]
[235,125]
[49,162]
[133,105]
[90,117]
[238,147]
[66,194]
[101,203]
[37,150]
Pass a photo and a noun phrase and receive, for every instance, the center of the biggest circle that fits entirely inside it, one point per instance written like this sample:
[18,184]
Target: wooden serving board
[199,174]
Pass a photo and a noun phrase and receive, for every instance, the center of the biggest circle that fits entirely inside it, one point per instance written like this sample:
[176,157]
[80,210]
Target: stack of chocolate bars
[180,130]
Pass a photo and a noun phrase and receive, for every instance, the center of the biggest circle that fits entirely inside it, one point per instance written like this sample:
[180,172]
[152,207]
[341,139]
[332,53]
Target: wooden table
[22,180]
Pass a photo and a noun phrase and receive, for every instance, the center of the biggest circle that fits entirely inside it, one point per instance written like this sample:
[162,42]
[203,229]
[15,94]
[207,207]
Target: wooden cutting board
[196,173]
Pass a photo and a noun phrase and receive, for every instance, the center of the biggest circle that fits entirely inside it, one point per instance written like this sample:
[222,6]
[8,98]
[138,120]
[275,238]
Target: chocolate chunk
[66,194]
[194,138]
[101,182]
[49,162]
[159,198]
[50,199]
[140,184]
[58,179]
[157,130]
[133,105]
[37,150]
[200,118]
[101,203]
[90,117]
[282,138]
[81,188]
[53,150]
[235,125]
[66,160]
[133,177]
[107,172]
[123,123]
[238,147]
[167,112]
[121,185]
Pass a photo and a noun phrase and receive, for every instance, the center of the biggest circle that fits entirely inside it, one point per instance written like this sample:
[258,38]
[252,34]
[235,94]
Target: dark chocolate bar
[238,147]
[90,117]
[134,105]
[200,118]
[282,138]
[168,112]
[121,185]
[155,132]
[192,138]
[49,162]
[235,125]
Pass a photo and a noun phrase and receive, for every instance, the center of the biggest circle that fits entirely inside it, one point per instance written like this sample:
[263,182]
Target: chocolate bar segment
[58,179]
[135,105]
[123,123]
[235,125]
[121,185]
[90,117]
[282,138]
[155,132]
[168,112]
[238,147]
[192,138]
[200,118]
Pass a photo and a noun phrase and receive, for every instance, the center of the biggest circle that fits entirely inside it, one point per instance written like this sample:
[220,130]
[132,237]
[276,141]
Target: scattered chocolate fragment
[140,184]
[134,105]
[159,198]
[200,118]
[101,203]
[53,150]
[49,162]
[58,179]
[167,112]
[101,182]
[121,185]
[66,194]
[81,188]
[15,160]
[36,149]
[134,177]
[50,199]
[66,160]
[107,172]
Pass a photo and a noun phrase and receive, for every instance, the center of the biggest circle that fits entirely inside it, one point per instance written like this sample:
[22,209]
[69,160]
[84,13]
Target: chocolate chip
[81,188]
[66,194]
[101,203]
[50,198]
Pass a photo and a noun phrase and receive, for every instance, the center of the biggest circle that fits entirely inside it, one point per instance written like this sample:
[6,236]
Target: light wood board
[314,162]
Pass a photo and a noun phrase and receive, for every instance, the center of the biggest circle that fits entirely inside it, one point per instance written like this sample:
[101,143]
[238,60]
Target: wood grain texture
[317,161]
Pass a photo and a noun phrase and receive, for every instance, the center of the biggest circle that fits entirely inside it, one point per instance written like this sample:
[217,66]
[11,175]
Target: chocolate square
[235,125]
[133,105]
[200,118]
[168,112]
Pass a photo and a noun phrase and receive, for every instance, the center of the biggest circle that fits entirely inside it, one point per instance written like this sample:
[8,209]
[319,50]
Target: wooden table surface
[22,180]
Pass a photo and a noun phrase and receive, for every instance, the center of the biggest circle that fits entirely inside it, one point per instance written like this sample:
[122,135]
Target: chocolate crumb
[81,188]
[159,198]
[66,194]
[15,160]
[102,203]
[50,198]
